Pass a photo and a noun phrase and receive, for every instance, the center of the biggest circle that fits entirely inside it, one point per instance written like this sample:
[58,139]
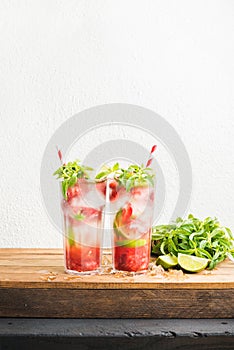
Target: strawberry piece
[88,211]
[72,192]
[113,190]
[126,213]
[101,187]
[113,185]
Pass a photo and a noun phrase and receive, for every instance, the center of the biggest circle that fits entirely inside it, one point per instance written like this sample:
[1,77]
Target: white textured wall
[60,57]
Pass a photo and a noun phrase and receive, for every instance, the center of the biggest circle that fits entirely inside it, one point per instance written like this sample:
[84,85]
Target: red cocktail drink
[132,230]
[83,228]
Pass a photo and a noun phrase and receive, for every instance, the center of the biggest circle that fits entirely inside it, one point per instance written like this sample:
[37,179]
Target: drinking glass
[132,226]
[83,220]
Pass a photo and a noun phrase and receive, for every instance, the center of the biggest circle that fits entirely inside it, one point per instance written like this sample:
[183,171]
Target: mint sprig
[70,172]
[135,175]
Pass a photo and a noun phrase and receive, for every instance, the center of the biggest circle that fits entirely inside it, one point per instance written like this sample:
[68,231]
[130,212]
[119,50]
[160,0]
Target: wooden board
[33,284]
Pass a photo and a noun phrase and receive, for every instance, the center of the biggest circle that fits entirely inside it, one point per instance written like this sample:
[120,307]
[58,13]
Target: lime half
[192,263]
[167,261]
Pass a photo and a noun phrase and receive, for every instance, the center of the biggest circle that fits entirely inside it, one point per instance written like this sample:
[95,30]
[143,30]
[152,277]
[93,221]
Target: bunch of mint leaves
[70,172]
[202,238]
[133,176]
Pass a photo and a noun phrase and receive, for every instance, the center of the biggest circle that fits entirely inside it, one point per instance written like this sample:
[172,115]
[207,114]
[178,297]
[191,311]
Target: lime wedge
[71,237]
[167,261]
[118,226]
[192,263]
[133,243]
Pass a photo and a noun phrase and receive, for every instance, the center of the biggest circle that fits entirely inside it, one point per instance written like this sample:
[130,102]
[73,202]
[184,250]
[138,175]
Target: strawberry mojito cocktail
[131,196]
[132,230]
[82,211]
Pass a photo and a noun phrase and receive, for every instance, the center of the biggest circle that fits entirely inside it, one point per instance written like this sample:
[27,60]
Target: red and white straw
[151,157]
[60,155]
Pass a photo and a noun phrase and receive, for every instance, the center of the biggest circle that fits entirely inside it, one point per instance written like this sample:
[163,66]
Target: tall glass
[83,212]
[132,229]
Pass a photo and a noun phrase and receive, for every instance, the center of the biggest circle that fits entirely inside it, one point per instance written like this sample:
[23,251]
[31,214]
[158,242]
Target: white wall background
[60,57]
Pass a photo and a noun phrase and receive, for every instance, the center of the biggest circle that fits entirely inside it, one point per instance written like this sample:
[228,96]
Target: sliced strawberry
[114,195]
[72,192]
[87,211]
[126,213]
[113,185]
[113,190]
[101,187]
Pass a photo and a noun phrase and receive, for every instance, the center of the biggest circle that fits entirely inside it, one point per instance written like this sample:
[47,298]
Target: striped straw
[60,155]
[151,156]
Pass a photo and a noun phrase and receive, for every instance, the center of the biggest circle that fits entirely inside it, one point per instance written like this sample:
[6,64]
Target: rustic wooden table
[33,284]
[41,306]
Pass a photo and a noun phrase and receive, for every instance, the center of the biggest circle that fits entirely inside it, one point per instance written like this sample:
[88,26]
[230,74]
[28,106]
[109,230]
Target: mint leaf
[101,175]
[115,167]
[79,216]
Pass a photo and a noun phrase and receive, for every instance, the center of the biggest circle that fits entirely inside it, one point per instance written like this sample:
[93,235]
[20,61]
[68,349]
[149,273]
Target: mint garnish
[70,172]
[134,175]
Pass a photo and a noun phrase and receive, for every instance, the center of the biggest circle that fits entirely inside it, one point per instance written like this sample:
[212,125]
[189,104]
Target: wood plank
[31,262]
[223,269]
[30,251]
[74,303]
[27,269]
[38,278]
[26,290]
[30,271]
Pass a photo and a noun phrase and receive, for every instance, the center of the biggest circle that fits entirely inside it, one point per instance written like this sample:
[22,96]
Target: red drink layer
[131,259]
[82,258]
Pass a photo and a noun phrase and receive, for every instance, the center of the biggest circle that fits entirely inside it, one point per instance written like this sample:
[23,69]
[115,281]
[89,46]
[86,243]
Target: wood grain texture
[25,291]
[90,303]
